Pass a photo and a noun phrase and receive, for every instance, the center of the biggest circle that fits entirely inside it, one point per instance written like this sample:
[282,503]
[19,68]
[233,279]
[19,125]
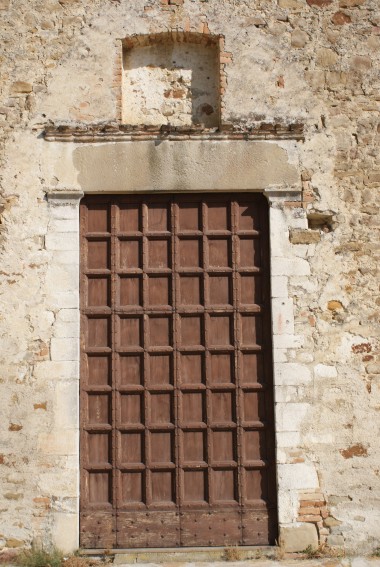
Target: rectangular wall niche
[171,81]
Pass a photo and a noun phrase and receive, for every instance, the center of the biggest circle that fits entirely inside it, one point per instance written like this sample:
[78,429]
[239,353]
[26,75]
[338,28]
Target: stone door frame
[62,241]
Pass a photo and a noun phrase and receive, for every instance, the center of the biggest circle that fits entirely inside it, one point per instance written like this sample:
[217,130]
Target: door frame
[63,213]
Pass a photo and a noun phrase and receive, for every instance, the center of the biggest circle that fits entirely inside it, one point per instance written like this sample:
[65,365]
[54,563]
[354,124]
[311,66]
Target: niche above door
[171,79]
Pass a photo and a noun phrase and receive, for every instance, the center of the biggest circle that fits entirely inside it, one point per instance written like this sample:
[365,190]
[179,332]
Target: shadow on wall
[171,83]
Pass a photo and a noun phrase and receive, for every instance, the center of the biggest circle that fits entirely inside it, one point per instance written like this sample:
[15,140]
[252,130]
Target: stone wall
[281,62]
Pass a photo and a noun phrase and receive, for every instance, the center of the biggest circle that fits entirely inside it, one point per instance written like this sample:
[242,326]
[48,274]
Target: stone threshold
[184,554]
[114,132]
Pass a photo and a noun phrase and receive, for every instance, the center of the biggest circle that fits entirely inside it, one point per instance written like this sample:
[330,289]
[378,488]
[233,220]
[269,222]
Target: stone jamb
[62,441]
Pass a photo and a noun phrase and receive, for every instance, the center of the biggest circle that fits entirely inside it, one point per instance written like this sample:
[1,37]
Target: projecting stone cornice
[111,132]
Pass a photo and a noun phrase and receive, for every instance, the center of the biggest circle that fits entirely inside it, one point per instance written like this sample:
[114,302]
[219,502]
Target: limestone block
[298,538]
[59,442]
[286,394]
[325,371]
[64,349]
[285,439]
[64,225]
[283,316]
[280,355]
[287,341]
[292,373]
[66,330]
[62,299]
[53,370]
[64,257]
[62,241]
[62,277]
[289,416]
[66,407]
[298,476]
[290,267]
[279,286]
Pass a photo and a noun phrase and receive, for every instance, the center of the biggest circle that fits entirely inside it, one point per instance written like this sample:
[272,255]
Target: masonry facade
[279,98]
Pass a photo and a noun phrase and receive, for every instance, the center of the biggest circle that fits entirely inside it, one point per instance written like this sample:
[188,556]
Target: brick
[310,518]
[311,511]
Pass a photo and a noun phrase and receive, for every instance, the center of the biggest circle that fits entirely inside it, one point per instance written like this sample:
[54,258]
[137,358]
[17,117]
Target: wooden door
[177,439]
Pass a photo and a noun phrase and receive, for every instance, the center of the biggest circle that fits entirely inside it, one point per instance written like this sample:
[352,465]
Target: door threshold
[185,554]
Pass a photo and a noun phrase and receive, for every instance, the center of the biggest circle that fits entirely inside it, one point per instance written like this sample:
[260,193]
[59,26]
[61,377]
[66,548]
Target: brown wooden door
[177,440]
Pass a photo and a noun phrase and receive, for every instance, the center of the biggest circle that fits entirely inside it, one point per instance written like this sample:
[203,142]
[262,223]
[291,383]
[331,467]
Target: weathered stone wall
[282,61]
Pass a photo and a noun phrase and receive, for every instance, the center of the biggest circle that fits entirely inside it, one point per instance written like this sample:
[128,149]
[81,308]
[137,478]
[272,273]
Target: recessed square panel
[254,406]
[224,485]
[98,370]
[161,447]
[223,446]
[130,291]
[129,254]
[161,369]
[194,486]
[131,372]
[99,448]
[99,409]
[220,291]
[249,217]
[163,487]
[221,330]
[189,216]
[159,254]
[98,254]
[99,487]
[193,409]
[219,252]
[191,331]
[132,487]
[251,330]
[254,445]
[159,291]
[189,253]
[131,409]
[252,368]
[158,217]
[190,290]
[221,366]
[98,291]
[191,368]
[222,407]
[130,331]
[98,218]
[249,253]
[256,484]
[160,408]
[218,217]
[160,331]
[250,289]
[131,448]
[194,446]
[129,217]
[98,331]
